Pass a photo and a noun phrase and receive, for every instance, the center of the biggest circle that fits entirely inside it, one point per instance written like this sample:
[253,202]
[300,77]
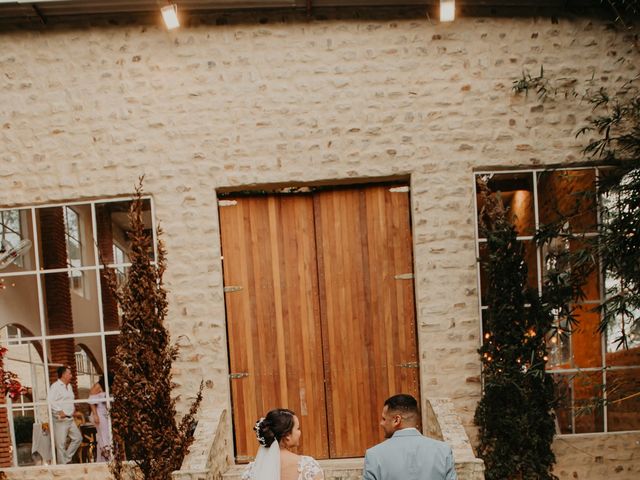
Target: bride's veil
[267,463]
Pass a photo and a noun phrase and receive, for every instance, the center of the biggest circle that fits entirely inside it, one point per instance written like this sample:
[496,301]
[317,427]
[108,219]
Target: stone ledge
[209,454]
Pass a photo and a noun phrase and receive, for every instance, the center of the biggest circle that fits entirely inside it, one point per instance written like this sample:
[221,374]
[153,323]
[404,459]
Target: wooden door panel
[363,239]
[273,321]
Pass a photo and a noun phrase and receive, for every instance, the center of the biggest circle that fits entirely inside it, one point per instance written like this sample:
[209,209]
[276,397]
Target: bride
[277,433]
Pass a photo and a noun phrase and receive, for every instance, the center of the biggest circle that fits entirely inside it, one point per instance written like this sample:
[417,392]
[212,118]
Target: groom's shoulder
[396,441]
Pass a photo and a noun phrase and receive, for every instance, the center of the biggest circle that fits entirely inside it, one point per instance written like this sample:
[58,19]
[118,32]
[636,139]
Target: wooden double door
[320,312]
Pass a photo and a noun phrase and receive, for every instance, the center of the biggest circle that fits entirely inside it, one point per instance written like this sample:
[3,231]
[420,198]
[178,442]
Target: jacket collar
[406,432]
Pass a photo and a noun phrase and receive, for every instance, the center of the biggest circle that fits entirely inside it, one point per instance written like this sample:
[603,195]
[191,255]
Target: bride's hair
[275,425]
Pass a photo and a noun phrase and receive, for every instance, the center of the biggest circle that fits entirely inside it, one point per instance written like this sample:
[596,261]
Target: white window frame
[39,273]
[603,369]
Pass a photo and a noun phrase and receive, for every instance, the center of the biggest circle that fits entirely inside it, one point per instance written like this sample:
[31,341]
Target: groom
[406,454]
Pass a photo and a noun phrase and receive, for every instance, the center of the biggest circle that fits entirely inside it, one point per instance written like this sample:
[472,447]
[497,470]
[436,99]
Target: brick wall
[57,293]
[105,249]
[85,110]
[6,458]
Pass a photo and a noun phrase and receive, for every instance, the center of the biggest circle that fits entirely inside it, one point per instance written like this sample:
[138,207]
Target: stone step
[351,469]
[342,469]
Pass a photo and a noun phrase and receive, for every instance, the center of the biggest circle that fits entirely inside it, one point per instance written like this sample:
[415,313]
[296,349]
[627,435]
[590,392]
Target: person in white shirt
[61,400]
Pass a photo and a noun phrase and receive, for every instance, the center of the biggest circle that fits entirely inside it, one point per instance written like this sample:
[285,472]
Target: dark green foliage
[515,413]
[143,414]
[623,10]
[617,124]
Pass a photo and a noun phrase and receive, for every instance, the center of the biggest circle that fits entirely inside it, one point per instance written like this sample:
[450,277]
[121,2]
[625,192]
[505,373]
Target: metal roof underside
[45,10]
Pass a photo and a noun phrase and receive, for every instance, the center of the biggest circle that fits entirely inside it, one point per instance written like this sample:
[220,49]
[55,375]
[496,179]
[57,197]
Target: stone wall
[84,110]
[210,454]
[94,471]
[613,456]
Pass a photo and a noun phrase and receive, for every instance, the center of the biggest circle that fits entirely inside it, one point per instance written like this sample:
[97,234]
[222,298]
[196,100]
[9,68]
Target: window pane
[75,253]
[26,423]
[622,320]
[26,360]
[82,427]
[623,401]
[586,341]
[111,313]
[516,193]
[564,255]
[580,404]
[559,345]
[114,228]
[59,249]
[84,355]
[73,223]
[568,195]
[581,251]
[16,237]
[529,257]
[19,304]
[617,354]
[71,302]
[89,363]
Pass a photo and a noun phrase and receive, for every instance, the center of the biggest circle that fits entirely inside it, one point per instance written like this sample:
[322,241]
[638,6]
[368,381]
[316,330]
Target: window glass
[26,360]
[586,341]
[530,258]
[65,237]
[68,311]
[19,304]
[578,355]
[580,403]
[623,401]
[114,229]
[16,241]
[559,345]
[568,195]
[516,193]
[23,425]
[58,282]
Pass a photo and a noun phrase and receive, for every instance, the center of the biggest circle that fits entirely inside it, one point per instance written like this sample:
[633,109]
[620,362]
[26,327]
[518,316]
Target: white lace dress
[308,469]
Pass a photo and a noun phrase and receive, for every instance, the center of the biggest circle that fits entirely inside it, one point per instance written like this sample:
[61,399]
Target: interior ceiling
[44,10]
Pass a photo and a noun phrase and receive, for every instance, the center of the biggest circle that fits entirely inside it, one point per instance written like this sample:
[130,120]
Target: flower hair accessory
[256,427]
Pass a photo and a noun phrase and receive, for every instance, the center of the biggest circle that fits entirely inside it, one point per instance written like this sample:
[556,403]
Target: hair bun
[264,434]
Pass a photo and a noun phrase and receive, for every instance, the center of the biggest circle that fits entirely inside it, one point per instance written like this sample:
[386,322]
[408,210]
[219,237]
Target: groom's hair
[404,404]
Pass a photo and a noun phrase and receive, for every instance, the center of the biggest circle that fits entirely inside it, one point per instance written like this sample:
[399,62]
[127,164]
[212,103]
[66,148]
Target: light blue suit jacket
[408,455]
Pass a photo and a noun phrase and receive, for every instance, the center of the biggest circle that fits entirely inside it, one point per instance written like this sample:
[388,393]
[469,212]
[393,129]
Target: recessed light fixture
[170,16]
[447,10]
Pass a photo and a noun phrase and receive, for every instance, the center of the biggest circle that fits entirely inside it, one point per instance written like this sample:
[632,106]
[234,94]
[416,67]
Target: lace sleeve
[310,469]
[246,475]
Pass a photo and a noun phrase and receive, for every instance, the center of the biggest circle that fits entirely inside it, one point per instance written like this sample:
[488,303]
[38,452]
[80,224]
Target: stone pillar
[57,292]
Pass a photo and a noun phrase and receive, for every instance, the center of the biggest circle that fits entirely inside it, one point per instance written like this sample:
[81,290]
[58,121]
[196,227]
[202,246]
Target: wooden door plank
[363,238]
[273,322]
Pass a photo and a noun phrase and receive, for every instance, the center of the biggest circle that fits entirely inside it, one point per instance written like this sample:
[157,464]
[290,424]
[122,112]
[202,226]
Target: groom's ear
[397,420]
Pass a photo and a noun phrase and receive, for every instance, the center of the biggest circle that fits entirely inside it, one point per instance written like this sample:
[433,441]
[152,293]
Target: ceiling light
[170,16]
[447,10]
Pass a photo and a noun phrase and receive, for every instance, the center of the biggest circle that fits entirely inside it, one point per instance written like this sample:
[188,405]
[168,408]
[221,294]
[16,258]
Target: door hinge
[404,276]
[227,203]
[232,288]
[233,376]
[403,189]
[408,365]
